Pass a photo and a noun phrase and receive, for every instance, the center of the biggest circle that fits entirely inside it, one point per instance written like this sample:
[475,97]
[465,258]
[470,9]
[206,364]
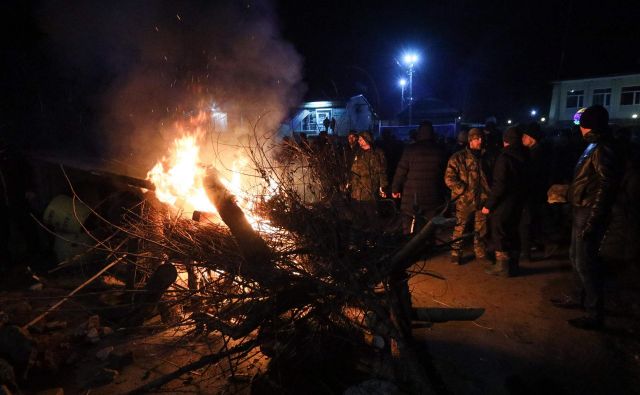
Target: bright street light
[509,121]
[543,119]
[402,82]
[634,116]
[410,59]
[533,113]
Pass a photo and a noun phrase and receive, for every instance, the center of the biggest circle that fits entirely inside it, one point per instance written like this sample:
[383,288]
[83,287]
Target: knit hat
[533,131]
[513,136]
[425,131]
[475,133]
[595,117]
[366,136]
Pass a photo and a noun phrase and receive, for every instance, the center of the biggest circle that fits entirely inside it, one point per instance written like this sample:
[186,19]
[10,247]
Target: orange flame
[178,179]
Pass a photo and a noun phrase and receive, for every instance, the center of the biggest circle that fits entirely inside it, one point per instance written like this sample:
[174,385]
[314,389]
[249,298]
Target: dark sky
[66,67]
[484,57]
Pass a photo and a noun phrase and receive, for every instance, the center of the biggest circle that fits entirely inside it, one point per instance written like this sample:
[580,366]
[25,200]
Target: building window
[602,96]
[575,98]
[630,95]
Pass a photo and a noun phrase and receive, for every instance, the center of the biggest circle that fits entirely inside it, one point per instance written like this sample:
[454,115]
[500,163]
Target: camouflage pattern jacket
[368,174]
[466,176]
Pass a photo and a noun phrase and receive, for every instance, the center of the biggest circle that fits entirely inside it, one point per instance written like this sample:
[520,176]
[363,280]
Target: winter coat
[466,176]
[596,178]
[510,180]
[419,176]
[368,174]
[507,197]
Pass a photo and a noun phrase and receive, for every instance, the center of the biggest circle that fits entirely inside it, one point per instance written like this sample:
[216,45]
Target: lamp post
[402,82]
[410,60]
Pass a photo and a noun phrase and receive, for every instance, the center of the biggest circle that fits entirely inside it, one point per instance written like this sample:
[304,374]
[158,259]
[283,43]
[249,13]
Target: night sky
[483,57]
[64,63]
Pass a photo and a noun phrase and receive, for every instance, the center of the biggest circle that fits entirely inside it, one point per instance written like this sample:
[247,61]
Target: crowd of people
[497,183]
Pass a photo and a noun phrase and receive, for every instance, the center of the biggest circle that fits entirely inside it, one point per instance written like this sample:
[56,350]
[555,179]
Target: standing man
[505,203]
[352,149]
[326,123]
[535,206]
[466,177]
[591,194]
[418,180]
[368,172]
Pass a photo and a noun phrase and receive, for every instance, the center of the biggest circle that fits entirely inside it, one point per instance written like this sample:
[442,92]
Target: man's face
[352,138]
[363,144]
[584,131]
[528,141]
[475,143]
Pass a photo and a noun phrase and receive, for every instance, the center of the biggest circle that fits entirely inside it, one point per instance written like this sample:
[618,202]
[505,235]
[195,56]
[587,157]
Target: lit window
[575,98]
[630,95]
[602,96]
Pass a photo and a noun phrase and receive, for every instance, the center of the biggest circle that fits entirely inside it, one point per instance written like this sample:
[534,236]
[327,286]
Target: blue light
[410,58]
[402,82]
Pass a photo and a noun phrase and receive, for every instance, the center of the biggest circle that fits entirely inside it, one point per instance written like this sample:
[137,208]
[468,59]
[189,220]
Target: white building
[354,114]
[619,94]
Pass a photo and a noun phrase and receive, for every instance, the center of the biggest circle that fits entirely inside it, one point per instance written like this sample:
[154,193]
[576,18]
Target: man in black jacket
[591,194]
[505,203]
[418,180]
[535,207]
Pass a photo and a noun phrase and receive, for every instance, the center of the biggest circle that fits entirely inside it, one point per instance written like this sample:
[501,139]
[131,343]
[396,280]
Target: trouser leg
[462,218]
[587,264]
[480,234]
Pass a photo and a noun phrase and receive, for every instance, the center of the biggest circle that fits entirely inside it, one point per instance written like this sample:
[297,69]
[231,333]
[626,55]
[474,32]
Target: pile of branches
[310,289]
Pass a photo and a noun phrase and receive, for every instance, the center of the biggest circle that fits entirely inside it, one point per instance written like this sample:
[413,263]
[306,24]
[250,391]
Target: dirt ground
[522,344]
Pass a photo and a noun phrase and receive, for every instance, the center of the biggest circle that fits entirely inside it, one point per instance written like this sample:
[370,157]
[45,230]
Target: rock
[52,391]
[104,353]
[92,377]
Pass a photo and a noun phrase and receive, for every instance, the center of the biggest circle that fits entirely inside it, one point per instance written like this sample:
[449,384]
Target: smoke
[152,65]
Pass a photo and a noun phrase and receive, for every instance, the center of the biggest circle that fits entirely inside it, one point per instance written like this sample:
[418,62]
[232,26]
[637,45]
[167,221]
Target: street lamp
[402,82]
[533,113]
[410,59]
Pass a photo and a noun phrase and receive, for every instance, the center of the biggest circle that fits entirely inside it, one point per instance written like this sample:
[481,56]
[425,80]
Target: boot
[501,268]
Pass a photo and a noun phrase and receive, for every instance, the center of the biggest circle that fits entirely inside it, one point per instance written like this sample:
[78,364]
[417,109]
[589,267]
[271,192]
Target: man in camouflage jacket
[466,176]
[368,171]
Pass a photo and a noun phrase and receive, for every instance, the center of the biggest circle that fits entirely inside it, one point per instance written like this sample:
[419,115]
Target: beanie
[513,136]
[475,133]
[595,117]
[367,137]
[425,131]
[533,131]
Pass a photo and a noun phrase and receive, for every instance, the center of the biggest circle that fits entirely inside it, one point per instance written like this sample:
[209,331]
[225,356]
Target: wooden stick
[55,306]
